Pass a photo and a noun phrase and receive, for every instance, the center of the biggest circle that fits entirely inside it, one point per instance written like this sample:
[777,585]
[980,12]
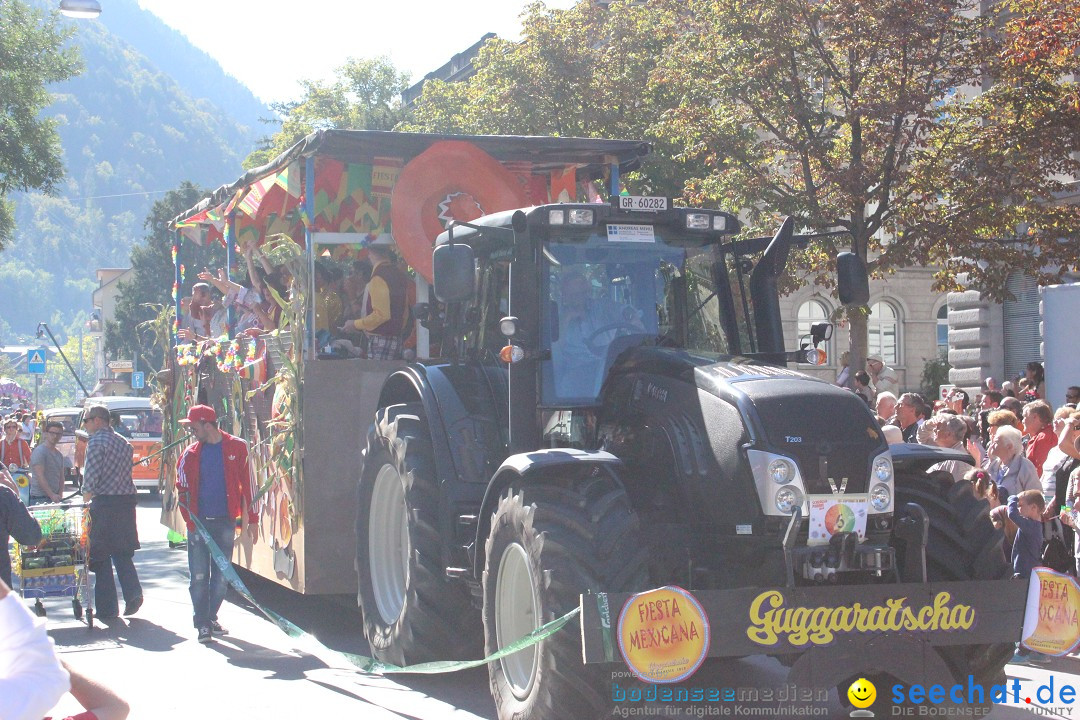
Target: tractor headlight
[883,470]
[880,497]
[787,499]
[771,470]
[781,471]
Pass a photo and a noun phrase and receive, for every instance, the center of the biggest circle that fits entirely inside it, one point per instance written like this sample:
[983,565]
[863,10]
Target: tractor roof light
[581,216]
[556,217]
[698,221]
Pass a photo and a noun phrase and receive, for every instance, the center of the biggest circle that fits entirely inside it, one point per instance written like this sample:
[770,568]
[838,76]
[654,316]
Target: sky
[271,45]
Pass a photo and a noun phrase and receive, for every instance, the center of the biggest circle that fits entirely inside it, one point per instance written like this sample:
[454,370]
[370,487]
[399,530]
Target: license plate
[642,203]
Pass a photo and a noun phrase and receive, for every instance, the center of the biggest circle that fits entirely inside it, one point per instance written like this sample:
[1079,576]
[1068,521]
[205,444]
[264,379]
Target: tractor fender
[913,458]
[550,465]
[462,416]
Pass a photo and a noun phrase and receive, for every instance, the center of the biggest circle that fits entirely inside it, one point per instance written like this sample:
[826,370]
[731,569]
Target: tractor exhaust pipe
[764,293]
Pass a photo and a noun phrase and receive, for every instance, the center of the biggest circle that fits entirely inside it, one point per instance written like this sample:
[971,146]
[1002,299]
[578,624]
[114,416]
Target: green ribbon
[361,662]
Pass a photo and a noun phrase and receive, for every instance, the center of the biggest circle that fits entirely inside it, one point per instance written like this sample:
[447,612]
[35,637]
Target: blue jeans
[105,602]
[208,584]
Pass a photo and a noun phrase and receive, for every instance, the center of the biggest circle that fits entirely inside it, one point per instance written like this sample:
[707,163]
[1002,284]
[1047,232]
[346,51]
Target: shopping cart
[57,567]
[21,476]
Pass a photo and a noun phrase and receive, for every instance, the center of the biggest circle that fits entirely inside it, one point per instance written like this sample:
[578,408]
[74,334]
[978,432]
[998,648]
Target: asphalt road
[153,660]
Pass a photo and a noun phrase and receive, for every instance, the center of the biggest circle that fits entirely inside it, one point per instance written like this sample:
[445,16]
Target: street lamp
[80,8]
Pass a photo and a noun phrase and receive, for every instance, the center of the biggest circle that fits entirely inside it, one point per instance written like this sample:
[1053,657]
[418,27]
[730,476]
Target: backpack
[1054,553]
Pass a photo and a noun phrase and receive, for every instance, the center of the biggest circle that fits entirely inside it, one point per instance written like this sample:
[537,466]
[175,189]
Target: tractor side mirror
[454,270]
[853,285]
[821,332]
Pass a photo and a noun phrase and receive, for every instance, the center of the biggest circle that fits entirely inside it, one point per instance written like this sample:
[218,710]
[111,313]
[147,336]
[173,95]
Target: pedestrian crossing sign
[35,361]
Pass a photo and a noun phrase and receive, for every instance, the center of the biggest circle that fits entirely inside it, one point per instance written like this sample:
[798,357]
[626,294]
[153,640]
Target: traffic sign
[35,361]
[121,365]
[138,380]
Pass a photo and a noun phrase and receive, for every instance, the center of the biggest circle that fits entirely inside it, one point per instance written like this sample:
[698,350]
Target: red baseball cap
[200,413]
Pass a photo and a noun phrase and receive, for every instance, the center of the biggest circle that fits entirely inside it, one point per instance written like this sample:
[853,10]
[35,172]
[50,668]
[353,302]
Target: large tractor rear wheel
[962,545]
[412,611]
[547,545]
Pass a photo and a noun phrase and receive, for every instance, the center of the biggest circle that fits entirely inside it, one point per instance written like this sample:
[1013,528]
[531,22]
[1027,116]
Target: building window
[943,331]
[810,312]
[884,331]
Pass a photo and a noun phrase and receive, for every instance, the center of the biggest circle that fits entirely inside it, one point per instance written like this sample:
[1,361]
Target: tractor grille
[831,435]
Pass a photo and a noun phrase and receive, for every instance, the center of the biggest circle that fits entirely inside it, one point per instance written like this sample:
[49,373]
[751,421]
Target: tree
[580,72]
[31,57]
[153,274]
[827,112]
[1006,163]
[364,96]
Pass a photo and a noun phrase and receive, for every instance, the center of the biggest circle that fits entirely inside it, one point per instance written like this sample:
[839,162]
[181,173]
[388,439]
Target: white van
[141,422]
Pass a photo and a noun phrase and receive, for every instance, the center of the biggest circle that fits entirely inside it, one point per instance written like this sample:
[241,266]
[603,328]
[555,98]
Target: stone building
[912,324]
[908,324]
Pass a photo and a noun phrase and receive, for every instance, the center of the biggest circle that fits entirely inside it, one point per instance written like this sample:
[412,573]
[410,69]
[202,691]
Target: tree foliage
[32,57]
[1006,162]
[365,95]
[862,116]
[580,72]
[128,132]
[152,277]
[867,116]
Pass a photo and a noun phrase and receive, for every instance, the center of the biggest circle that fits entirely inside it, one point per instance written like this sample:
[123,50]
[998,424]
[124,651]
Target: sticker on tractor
[630,233]
[663,634]
[834,514]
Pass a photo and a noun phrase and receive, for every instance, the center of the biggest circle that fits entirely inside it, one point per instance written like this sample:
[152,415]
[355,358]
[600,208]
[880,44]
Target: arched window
[810,312]
[943,331]
[884,332]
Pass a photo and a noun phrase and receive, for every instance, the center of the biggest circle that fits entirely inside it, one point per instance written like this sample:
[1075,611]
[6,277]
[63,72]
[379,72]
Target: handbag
[1054,553]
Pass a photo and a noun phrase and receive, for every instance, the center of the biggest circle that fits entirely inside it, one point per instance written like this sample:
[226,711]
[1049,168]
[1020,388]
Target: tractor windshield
[604,296]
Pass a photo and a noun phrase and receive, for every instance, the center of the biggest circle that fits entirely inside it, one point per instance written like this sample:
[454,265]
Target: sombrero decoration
[451,180]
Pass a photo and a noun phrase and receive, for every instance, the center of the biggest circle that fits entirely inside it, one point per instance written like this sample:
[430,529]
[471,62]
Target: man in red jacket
[216,485]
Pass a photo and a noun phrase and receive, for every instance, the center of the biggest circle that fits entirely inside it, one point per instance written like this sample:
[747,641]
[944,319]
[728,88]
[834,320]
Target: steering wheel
[620,328]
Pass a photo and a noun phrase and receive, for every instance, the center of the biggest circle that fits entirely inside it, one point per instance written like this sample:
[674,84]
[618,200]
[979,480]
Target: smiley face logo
[862,693]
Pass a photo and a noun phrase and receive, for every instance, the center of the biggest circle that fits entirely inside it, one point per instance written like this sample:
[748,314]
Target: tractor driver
[587,325]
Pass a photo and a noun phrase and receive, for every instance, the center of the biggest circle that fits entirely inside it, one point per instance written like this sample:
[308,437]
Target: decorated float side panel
[339,403]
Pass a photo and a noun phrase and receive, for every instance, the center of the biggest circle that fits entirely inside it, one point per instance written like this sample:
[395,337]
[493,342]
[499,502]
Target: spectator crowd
[1021,454]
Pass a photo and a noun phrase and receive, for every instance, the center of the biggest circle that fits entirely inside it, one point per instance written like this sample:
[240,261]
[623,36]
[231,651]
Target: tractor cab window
[604,297]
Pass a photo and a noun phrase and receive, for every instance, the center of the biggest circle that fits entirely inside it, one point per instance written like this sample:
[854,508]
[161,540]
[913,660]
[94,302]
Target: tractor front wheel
[548,545]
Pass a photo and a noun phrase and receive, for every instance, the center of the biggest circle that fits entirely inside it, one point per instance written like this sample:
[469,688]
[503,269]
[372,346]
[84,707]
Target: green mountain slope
[130,132]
